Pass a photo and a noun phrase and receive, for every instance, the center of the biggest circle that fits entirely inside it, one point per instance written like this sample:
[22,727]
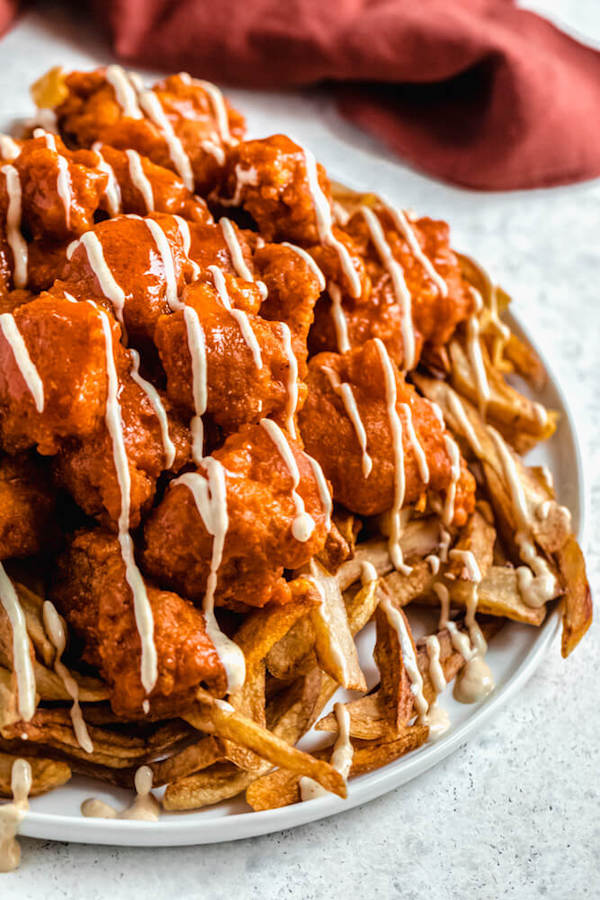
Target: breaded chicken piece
[262,537]
[27,501]
[90,590]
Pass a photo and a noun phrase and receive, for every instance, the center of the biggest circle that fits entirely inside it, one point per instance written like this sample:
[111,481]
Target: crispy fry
[218,782]
[46,774]
[577,609]
[200,755]
[50,686]
[406,588]
[8,698]
[498,595]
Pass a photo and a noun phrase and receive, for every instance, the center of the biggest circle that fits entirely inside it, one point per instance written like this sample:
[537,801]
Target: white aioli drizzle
[9,149]
[471,572]
[324,494]
[11,815]
[341,758]
[475,356]
[164,250]
[339,319]
[15,240]
[242,176]
[197,349]
[239,315]
[415,444]
[303,525]
[464,422]
[433,562]
[436,672]
[142,610]
[292,385]
[63,180]
[398,450]
[541,414]
[396,273]
[113,189]
[25,364]
[152,107]
[219,108]
[140,180]
[55,629]
[325,223]
[184,230]
[20,646]
[125,93]
[453,453]
[346,394]
[537,583]
[309,262]
[108,284]
[403,226]
[475,681]
[237,257]
[210,497]
[145,807]
[409,659]
[368,573]
[157,406]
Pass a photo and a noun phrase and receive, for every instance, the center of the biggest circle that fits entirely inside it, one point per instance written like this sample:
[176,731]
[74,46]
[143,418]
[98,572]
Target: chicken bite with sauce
[52,373]
[232,361]
[27,503]
[349,425]
[91,591]
[180,123]
[274,516]
[417,295]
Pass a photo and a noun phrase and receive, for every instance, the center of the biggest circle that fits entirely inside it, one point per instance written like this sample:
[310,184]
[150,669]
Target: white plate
[513,656]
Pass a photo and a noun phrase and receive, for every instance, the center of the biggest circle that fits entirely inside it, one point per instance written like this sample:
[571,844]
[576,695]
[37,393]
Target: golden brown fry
[577,607]
[334,644]
[200,755]
[50,687]
[369,718]
[497,595]
[219,782]
[8,698]
[210,714]
[46,774]
[395,692]
[406,588]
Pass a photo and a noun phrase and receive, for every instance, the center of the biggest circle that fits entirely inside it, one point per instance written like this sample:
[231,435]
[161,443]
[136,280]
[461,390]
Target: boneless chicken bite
[293,283]
[181,123]
[351,421]
[137,267]
[91,591]
[153,441]
[27,500]
[231,362]
[52,373]
[417,295]
[260,496]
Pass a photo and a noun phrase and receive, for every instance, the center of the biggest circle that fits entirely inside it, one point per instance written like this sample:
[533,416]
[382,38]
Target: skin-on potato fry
[577,600]
[46,774]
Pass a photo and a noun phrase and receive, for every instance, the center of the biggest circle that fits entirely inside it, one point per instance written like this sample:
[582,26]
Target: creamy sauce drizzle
[309,262]
[11,815]
[219,109]
[340,322]
[9,149]
[25,364]
[346,394]
[464,422]
[237,256]
[145,807]
[475,680]
[454,454]
[396,273]
[323,488]
[436,672]
[184,231]
[292,385]
[55,629]
[240,316]
[140,180]
[243,176]
[415,444]
[210,497]
[325,224]
[152,107]
[341,758]
[536,580]
[197,348]
[15,240]
[403,226]
[398,450]
[104,276]
[164,250]
[112,192]
[142,610]
[303,525]
[125,93]
[157,406]
[23,666]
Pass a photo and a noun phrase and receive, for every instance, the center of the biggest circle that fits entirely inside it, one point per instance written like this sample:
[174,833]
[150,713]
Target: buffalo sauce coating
[261,539]
[331,436]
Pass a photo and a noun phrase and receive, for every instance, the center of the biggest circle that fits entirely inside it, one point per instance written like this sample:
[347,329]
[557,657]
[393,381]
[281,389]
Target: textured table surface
[516,812]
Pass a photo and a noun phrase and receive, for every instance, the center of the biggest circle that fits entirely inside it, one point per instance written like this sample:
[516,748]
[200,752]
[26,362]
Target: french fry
[577,610]
[200,755]
[497,595]
[46,774]
[9,712]
[219,782]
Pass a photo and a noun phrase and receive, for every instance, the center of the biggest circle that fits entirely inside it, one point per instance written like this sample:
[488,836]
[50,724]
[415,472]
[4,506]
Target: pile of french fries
[299,655]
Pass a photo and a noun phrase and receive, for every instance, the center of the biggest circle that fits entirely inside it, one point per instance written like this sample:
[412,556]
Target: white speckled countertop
[516,812]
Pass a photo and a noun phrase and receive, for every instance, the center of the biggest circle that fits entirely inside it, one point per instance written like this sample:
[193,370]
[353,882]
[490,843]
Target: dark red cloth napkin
[474,91]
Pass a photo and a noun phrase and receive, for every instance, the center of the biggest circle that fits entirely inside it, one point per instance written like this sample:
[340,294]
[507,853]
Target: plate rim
[177,828]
